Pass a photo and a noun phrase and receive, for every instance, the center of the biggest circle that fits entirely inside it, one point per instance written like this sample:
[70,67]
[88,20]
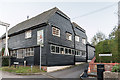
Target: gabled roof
[39,19]
[77,26]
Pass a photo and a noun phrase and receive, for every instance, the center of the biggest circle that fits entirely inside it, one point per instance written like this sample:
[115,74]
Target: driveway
[70,73]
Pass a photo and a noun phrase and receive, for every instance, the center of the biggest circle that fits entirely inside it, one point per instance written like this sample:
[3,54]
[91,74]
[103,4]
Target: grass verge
[22,69]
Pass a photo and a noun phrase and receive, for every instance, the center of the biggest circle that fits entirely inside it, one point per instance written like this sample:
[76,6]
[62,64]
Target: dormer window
[83,40]
[28,34]
[69,36]
[77,38]
[55,31]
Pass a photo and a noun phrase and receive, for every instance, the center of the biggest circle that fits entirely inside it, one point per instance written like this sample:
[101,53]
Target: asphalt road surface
[71,73]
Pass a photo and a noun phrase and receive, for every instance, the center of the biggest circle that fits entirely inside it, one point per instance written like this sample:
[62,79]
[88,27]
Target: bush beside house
[110,45]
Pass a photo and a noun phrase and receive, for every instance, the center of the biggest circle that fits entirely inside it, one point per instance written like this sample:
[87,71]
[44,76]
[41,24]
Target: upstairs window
[83,40]
[55,31]
[28,34]
[77,38]
[69,36]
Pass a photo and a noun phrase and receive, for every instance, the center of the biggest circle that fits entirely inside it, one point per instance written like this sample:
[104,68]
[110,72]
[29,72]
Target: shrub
[5,61]
[116,68]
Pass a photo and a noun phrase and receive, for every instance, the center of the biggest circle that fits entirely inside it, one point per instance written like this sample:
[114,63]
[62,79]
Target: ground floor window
[64,50]
[57,49]
[21,53]
[61,50]
[13,53]
[53,48]
[29,52]
[83,53]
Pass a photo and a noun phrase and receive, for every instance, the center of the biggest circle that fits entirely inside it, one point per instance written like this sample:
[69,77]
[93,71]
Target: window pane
[62,50]
[84,41]
[69,51]
[78,52]
[28,34]
[66,51]
[52,48]
[77,38]
[19,53]
[56,31]
[83,53]
[68,36]
[57,49]
[73,52]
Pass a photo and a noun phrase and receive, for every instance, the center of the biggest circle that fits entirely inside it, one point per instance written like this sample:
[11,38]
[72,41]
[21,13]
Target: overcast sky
[93,16]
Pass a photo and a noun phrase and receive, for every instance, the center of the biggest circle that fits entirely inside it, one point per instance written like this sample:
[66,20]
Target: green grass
[0,68]
[22,69]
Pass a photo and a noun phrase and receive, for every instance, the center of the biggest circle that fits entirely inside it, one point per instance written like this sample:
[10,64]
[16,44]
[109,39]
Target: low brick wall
[111,75]
[93,66]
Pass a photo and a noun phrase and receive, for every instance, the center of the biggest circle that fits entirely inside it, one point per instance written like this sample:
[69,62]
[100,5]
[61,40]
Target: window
[83,40]
[28,34]
[13,53]
[69,36]
[69,51]
[55,31]
[77,38]
[57,49]
[66,51]
[53,48]
[83,53]
[62,50]
[78,52]
[20,53]
[29,52]
[73,51]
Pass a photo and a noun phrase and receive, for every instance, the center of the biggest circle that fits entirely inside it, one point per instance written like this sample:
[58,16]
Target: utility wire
[98,10]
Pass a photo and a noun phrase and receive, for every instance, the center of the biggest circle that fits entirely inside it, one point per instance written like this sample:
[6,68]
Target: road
[73,72]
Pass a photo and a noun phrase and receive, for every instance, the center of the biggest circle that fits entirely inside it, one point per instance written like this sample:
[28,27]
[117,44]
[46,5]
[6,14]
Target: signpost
[40,41]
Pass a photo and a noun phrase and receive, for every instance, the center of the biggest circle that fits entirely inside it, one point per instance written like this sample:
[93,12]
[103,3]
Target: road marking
[82,74]
[49,76]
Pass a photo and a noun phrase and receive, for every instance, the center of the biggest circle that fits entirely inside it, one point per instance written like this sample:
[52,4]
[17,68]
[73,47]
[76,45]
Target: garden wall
[93,66]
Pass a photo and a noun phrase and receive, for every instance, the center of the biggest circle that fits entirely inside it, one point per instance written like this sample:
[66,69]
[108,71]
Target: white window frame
[51,48]
[83,40]
[77,54]
[77,38]
[31,52]
[84,54]
[59,49]
[67,50]
[63,50]
[68,36]
[56,31]
[55,49]
[73,50]
[28,34]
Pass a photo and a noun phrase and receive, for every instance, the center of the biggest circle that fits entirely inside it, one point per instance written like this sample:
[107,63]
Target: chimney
[27,17]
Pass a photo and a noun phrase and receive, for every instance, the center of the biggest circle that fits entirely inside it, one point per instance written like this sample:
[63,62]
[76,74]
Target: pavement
[67,74]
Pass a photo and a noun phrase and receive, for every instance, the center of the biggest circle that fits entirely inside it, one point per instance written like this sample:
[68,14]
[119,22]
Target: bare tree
[99,36]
